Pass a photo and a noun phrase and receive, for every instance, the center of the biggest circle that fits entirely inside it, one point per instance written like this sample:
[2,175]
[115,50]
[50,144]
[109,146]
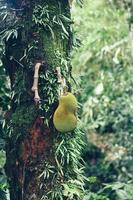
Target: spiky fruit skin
[65,115]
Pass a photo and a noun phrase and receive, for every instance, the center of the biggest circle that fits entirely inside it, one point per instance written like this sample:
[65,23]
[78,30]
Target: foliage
[105,70]
[45,16]
[4,104]
[3,182]
[69,167]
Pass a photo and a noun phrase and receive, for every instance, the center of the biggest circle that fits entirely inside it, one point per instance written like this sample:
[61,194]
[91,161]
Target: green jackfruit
[65,115]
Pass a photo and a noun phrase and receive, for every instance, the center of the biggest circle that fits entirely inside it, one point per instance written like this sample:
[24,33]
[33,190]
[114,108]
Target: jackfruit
[65,119]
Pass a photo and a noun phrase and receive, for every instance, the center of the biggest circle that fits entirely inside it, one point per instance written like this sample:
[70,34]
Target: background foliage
[103,67]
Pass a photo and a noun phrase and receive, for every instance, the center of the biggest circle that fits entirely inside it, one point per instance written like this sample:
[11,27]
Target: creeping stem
[35,83]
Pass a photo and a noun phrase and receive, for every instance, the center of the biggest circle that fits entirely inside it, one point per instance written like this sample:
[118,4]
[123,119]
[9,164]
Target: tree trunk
[39,159]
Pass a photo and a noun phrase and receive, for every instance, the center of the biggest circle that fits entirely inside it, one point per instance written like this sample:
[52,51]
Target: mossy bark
[29,140]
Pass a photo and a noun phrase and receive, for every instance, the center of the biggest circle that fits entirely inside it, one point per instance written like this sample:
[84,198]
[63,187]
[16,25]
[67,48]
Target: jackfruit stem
[59,75]
[65,88]
[62,82]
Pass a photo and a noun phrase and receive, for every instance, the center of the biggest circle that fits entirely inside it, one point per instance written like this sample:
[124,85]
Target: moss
[23,118]
[53,21]
[50,49]
[24,115]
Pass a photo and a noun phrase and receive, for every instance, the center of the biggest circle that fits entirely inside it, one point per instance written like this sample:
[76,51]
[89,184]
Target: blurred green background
[102,66]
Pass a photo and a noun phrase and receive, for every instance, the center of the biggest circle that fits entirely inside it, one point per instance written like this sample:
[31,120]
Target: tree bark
[42,35]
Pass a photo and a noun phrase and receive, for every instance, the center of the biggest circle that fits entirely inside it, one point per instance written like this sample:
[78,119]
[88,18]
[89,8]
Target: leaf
[52,33]
[63,28]
[114,186]
[123,195]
